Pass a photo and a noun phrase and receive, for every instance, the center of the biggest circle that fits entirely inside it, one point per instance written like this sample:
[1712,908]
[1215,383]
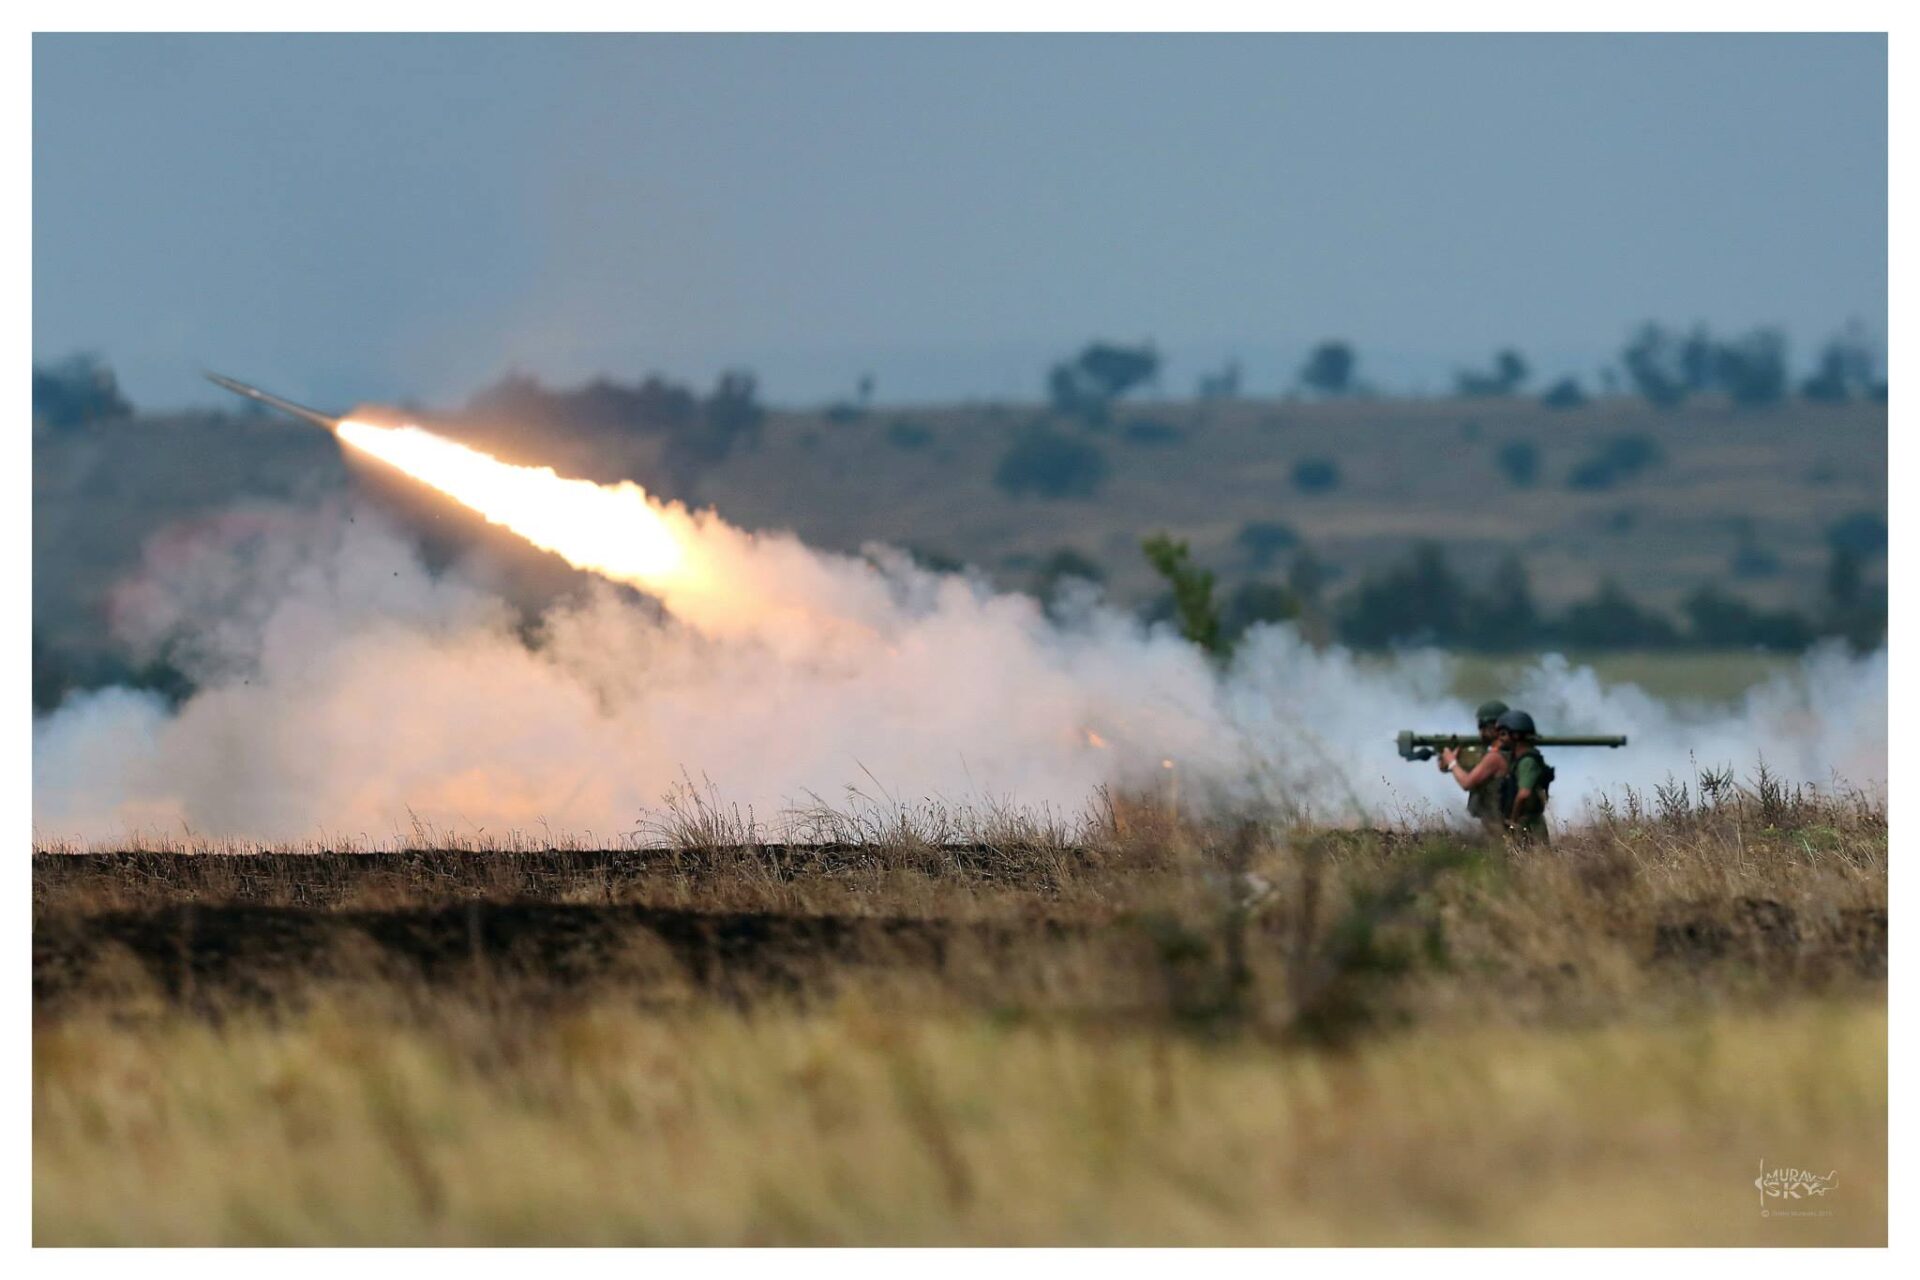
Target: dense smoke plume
[343,691]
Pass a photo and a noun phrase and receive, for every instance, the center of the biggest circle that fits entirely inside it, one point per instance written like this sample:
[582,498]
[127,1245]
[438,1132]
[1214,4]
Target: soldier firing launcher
[1421,746]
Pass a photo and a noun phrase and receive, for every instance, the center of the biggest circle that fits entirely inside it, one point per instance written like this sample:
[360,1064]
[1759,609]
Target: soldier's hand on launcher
[1447,757]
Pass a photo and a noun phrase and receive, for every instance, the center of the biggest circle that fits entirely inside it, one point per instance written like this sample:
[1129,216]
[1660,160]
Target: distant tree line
[1422,601]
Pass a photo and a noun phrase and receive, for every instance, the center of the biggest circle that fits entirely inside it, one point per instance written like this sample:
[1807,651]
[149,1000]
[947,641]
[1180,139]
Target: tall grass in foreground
[844,1126]
[1140,1029]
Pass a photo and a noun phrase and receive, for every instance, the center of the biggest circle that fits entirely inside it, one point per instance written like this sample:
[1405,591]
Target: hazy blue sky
[347,217]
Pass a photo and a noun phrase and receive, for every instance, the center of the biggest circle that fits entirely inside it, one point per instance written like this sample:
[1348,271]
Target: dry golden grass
[926,1029]
[604,1125]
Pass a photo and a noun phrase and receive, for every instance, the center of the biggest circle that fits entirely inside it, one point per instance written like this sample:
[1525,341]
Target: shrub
[1103,372]
[1611,620]
[1329,369]
[1564,394]
[1519,461]
[1863,533]
[1719,620]
[911,436]
[1508,372]
[1262,540]
[77,390]
[1751,560]
[1252,603]
[1753,369]
[1150,431]
[1067,562]
[1047,464]
[1620,458]
[1419,601]
[1316,475]
[1192,592]
[1656,362]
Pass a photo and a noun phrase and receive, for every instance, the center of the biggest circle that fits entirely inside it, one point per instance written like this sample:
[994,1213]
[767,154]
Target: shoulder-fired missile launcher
[1422,746]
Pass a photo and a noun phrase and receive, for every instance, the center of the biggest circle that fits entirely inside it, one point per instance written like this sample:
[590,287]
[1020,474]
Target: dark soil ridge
[325,879]
[259,954]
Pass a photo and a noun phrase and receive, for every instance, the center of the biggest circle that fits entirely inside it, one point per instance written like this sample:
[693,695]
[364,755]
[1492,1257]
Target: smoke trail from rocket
[343,689]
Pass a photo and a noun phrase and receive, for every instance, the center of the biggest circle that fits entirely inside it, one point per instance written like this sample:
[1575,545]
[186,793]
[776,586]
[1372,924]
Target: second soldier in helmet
[1507,785]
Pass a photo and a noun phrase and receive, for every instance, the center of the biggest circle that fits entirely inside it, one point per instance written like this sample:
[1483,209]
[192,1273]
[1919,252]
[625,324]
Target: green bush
[1316,475]
[1047,464]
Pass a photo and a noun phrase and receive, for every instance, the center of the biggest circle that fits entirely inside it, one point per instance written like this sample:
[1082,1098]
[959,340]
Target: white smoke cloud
[343,690]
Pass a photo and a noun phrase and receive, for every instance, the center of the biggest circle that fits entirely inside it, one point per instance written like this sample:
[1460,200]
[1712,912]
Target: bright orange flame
[1095,740]
[615,530]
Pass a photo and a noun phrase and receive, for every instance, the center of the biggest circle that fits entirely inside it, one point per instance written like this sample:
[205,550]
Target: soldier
[1483,799]
[1523,791]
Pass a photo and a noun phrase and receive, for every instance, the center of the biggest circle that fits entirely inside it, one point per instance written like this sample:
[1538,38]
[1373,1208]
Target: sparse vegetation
[1519,461]
[1044,463]
[1316,475]
[972,1027]
[903,433]
[1263,540]
[1624,457]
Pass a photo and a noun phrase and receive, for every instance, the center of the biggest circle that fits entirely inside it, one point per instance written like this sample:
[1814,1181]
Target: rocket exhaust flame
[617,531]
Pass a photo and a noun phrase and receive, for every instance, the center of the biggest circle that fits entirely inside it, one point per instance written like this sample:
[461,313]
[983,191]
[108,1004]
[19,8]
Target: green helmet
[1492,709]
[1517,722]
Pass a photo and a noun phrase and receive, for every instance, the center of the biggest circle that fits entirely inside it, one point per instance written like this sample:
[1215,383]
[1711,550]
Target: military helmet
[1492,709]
[1517,722]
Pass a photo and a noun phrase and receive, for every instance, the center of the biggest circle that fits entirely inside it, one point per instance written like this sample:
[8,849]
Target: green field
[1715,677]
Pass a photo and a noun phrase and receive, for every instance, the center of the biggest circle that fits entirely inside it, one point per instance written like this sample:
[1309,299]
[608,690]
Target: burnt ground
[210,930]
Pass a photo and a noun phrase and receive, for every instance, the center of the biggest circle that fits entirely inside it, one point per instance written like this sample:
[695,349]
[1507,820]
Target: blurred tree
[1752,369]
[1721,621]
[1329,369]
[1065,563]
[77,390]
[1316,475]
[1419,601]
[1697,359]
[1102,373]
[1262,540]
[1047,464]
[1657,364]
[1509,371]
[1505,616]
[905,434]
[1564,394]
[1863,532]
[1611,620]
[1519,461]
[1223,385]
[1846,370]
[1253,603]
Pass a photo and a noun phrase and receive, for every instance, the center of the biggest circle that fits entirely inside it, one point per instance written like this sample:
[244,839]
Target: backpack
[1510,783]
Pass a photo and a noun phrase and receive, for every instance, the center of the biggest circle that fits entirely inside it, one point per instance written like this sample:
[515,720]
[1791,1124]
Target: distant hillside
[1662,501]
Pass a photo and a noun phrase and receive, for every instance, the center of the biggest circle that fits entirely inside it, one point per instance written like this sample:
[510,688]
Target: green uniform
[1529,773]
[1483,802]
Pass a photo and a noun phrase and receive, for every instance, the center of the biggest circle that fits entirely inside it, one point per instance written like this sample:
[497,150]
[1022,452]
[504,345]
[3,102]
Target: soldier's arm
[1520,799]
[1491,766]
